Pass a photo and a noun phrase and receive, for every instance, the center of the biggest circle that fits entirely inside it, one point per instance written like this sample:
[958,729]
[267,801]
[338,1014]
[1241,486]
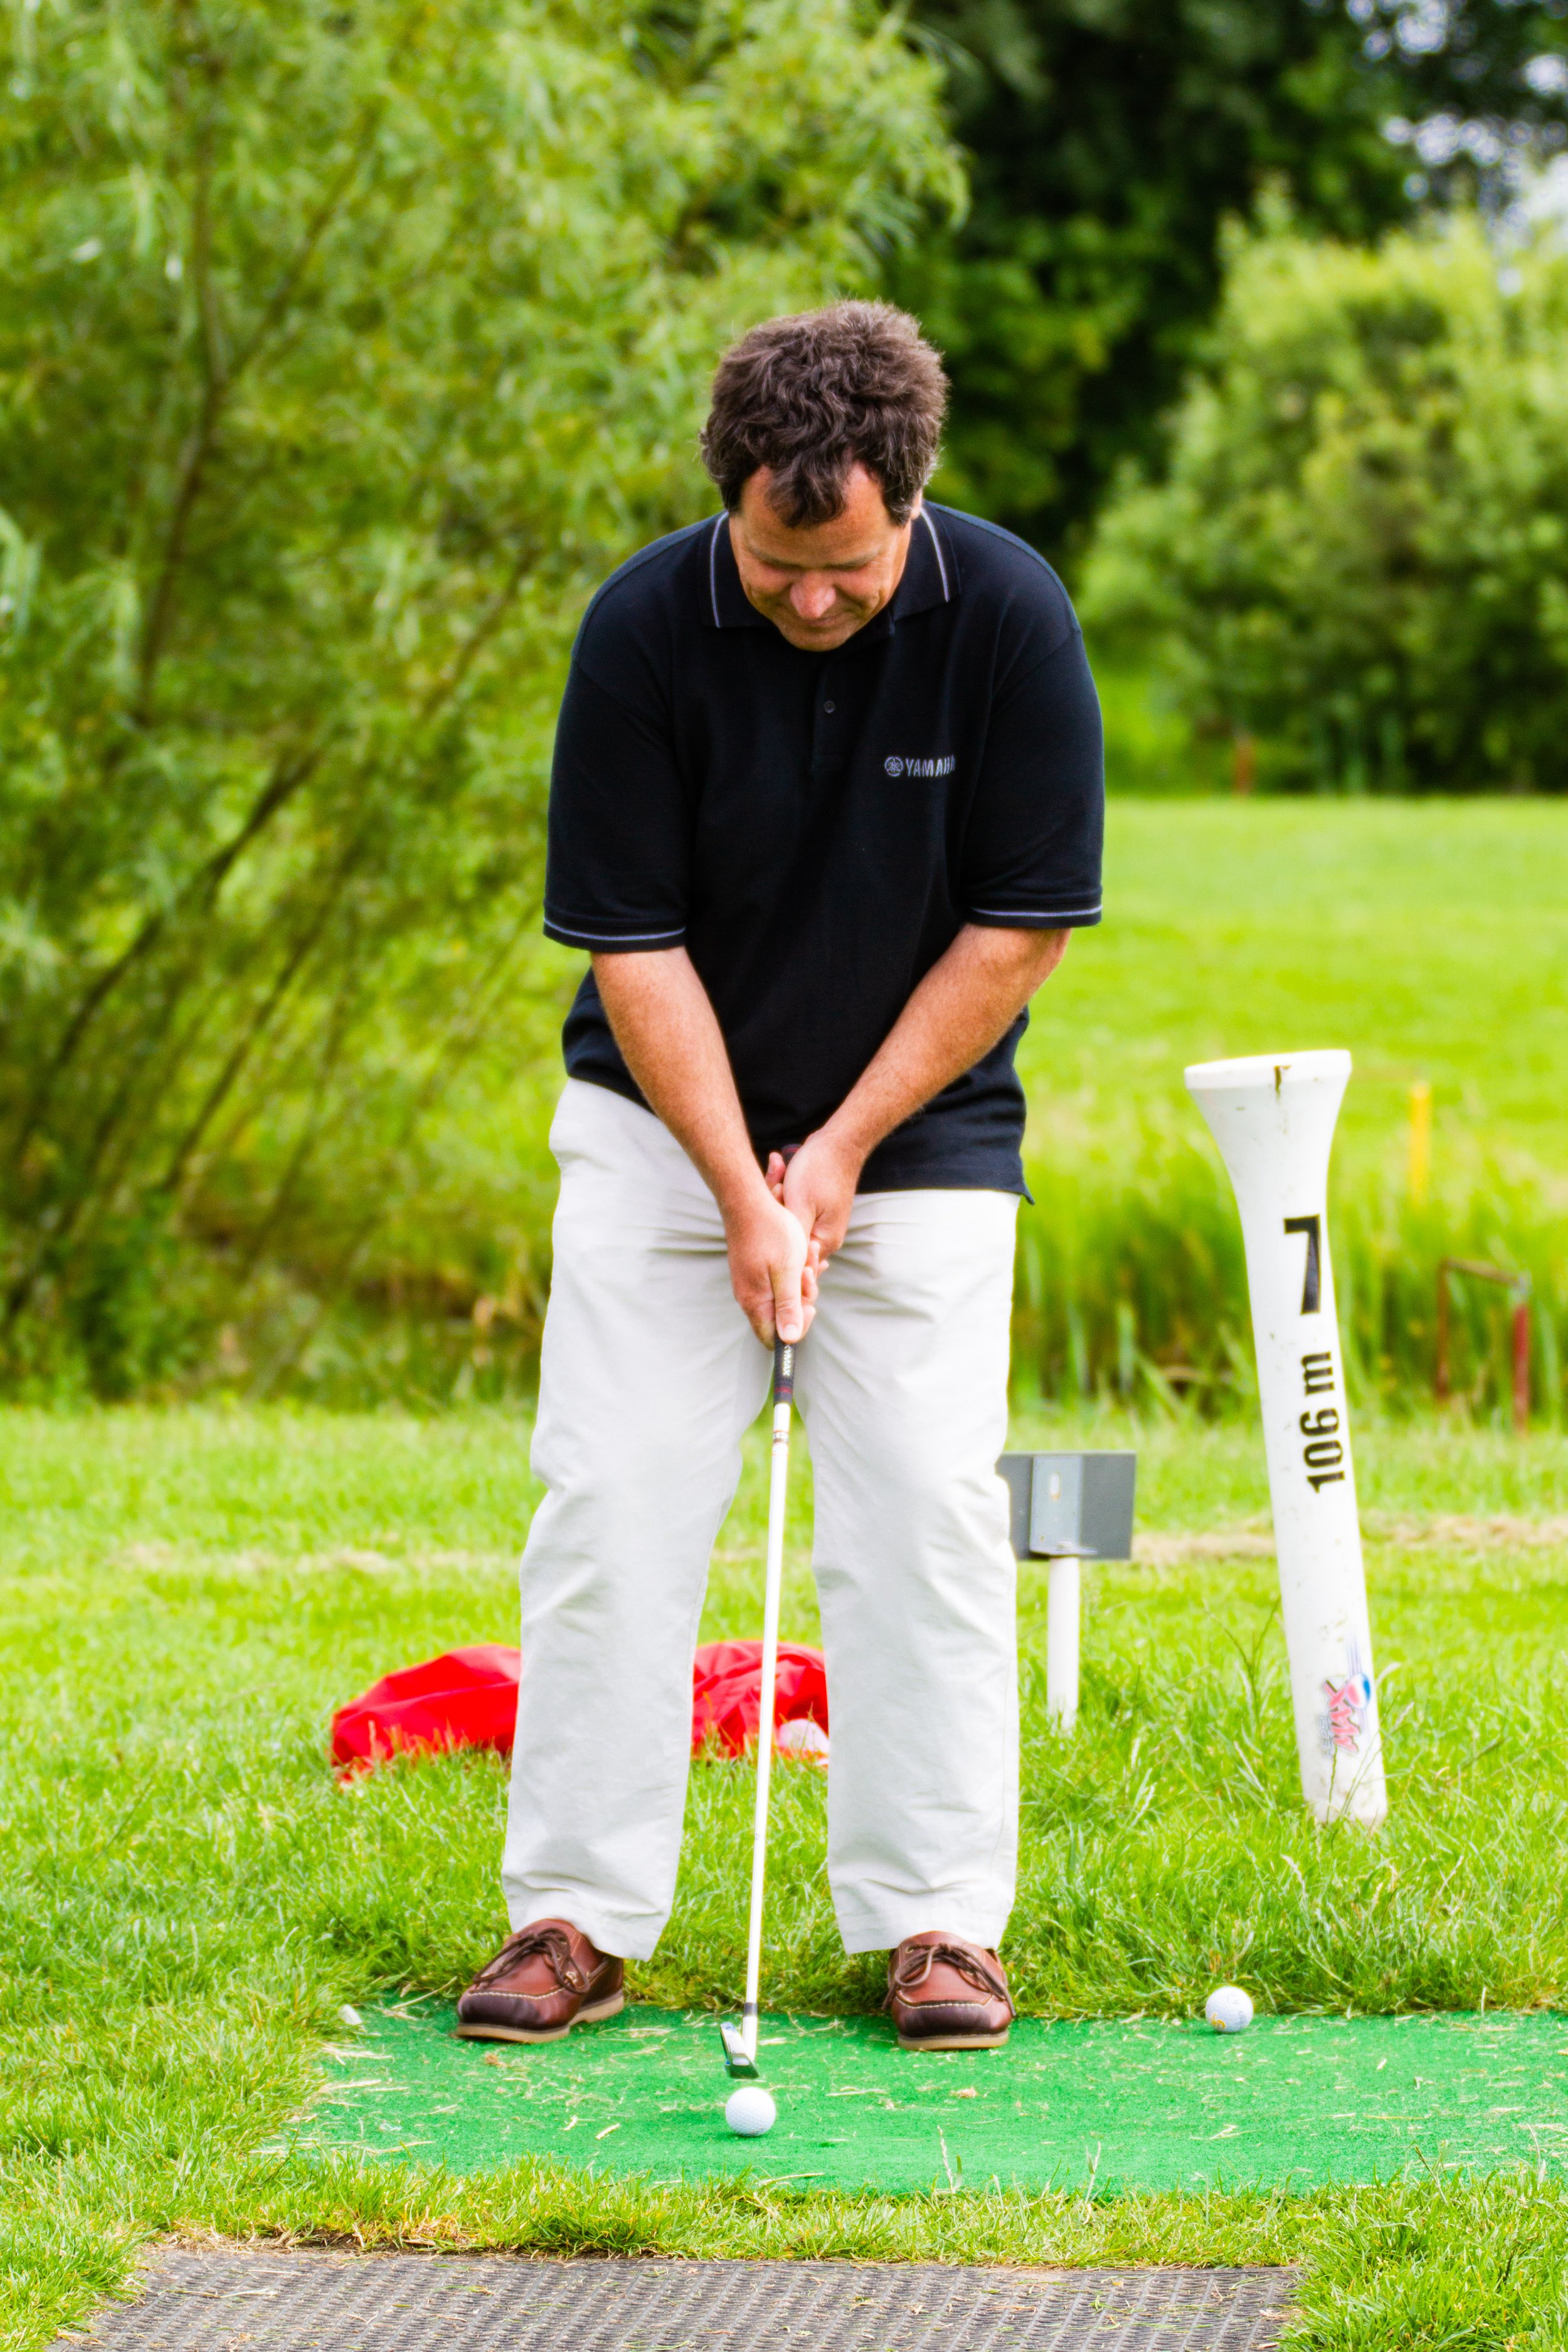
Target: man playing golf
[826,802]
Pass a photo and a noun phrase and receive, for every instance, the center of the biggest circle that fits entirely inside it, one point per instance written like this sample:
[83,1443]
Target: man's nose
[812,599]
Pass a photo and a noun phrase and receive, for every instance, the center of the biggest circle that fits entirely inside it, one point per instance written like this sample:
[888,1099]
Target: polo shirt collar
[727,603]
[931,578]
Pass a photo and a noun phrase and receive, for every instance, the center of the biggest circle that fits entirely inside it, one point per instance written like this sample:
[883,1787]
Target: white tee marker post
[1272,1115]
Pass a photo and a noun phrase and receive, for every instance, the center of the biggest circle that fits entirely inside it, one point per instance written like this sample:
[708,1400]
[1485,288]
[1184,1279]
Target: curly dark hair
[810,396]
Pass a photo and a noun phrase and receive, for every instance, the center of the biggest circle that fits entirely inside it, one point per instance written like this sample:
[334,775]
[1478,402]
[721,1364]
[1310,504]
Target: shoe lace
[552,1943]
[915,1962]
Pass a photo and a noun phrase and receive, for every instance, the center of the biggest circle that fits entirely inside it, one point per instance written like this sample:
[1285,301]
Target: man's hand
[772,1271]
[665,1026]
[818,1184]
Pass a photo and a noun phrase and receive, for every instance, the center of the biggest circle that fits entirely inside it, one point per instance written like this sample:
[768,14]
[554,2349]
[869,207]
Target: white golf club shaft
[783,1395]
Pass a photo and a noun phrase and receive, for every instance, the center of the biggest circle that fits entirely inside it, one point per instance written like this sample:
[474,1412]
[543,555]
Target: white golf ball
[750,2111]
[1229,2010]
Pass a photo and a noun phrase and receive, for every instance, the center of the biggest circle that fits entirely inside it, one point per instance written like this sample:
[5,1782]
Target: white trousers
[650,1375]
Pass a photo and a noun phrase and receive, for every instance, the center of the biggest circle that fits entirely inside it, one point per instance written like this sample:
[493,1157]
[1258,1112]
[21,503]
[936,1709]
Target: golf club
[741,2041]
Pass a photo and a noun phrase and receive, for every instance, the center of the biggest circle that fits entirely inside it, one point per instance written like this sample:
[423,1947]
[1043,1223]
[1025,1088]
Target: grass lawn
[189,1897]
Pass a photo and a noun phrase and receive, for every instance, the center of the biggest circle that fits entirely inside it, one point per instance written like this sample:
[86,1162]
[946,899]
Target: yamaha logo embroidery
[896,767]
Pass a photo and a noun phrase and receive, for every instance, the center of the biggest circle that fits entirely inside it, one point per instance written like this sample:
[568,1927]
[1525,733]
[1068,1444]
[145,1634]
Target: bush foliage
[340,352]
[1109,147]
[1358,556]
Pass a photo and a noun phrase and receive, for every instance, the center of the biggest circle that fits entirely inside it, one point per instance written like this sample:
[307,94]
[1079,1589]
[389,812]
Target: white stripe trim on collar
[713,568]
[941,563]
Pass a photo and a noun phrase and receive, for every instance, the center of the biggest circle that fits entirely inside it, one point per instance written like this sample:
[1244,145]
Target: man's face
[820,585]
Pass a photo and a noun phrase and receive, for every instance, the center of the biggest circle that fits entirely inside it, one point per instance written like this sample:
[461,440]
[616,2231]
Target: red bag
[468,1698]
[464,1698]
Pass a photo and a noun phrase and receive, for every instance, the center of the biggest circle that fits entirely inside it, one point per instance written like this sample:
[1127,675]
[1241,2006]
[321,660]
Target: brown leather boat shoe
[543,1980]
[948,1994]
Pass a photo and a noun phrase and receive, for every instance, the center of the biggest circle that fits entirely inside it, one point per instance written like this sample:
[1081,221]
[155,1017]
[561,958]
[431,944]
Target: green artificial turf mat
[1123,2105]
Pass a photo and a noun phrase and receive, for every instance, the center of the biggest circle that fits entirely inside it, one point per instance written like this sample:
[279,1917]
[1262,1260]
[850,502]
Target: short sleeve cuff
[605,938]
[1071,914]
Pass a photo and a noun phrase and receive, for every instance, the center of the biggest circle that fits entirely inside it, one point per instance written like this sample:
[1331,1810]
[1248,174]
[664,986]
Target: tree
[1359,554]
[341,351]
[1111,141]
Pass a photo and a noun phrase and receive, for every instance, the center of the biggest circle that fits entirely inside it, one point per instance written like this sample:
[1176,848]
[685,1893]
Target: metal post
[1522,1363]
[1065,1508]
[1440,1378]
[1063,1617]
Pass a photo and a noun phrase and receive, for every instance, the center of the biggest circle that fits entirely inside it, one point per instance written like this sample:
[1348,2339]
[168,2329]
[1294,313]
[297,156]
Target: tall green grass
[1132,1284]
[1130,1288]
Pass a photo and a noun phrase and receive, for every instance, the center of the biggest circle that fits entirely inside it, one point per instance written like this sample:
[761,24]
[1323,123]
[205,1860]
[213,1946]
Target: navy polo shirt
[816,828]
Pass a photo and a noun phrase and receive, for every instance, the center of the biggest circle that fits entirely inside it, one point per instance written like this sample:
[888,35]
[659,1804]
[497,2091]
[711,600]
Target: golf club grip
[783,1372]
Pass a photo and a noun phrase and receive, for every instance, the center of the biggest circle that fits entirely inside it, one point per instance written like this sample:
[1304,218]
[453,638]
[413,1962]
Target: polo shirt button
[827,706]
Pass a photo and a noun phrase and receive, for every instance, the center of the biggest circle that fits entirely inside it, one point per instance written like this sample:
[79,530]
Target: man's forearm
[670,1037]
[966,1003]
[671,1040]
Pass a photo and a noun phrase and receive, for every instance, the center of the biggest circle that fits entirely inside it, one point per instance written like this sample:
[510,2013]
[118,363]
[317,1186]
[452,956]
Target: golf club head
[738,2059]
